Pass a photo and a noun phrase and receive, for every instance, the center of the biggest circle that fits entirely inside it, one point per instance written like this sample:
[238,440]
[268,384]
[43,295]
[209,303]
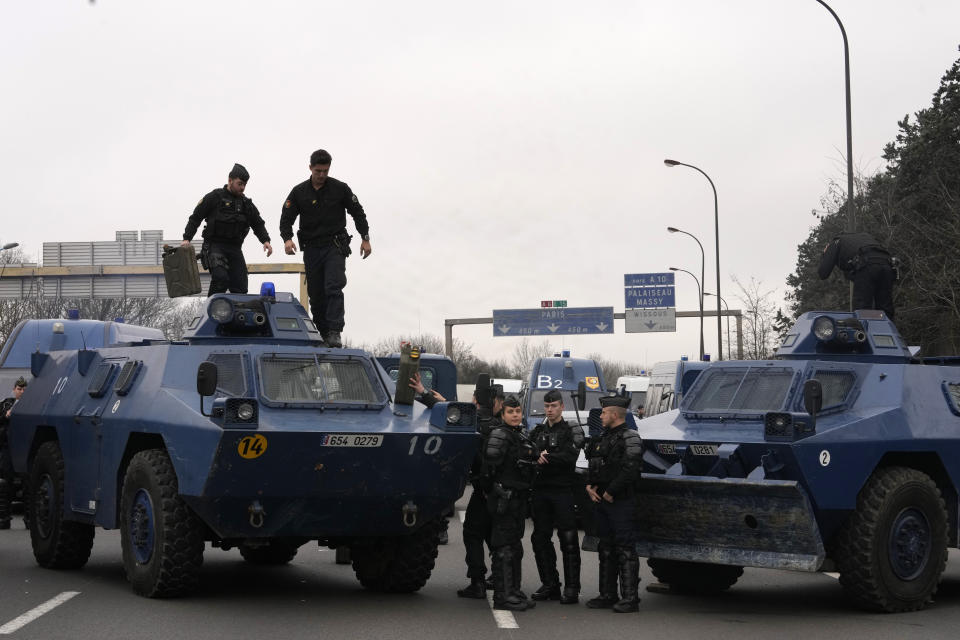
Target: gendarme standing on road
[321,203]
[229,216]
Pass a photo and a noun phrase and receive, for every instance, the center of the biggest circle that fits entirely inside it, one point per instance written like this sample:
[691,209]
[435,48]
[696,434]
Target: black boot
[5,491]
[570,549]
[517,564]
[546,559]
[608,578]
[629,570]
[504,597]
[476,589]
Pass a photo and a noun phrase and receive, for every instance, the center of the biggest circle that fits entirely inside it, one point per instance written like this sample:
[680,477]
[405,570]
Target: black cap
[239,171]
[614,401]
[511,401]
[21,382]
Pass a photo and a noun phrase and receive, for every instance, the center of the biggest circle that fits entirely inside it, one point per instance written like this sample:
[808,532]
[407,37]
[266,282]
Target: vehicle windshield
[298,379]
[536,401]
[740,389]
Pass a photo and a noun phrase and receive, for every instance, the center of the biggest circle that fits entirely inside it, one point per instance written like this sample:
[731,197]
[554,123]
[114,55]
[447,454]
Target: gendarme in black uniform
[323,238]
[510,456]
[552,507]
[229,217]
[615,460]
[867,265]
[7,476]
[477,520]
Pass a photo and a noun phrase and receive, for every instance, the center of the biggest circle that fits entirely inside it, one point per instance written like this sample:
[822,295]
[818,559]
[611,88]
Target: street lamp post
[9,245]
[700,298]
[702,279]
[851,216]
[716,222]
[727,307]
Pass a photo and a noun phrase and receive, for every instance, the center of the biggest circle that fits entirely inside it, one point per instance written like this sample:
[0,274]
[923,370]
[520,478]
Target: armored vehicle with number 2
[247,433]
[842,454]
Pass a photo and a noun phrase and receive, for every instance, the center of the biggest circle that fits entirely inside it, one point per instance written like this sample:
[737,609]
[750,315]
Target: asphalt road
[313,597]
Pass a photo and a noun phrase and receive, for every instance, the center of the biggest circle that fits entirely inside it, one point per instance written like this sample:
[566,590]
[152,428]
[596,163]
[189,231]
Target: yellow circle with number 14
[252,446]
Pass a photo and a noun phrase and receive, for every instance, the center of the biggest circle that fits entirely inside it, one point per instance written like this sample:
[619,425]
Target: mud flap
[733,521]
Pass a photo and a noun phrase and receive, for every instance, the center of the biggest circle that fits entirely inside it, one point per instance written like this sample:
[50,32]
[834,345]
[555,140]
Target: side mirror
[812,397]
[206,379]
[581,395]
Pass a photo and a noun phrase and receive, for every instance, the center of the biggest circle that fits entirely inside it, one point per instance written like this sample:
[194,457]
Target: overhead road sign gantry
[563,321]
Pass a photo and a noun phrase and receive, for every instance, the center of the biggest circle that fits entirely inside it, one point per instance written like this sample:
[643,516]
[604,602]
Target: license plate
[351,440]
[667,449]
[703,449]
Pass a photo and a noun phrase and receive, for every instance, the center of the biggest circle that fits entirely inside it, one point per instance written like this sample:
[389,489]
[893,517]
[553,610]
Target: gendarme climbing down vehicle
[842,454]
[246,433]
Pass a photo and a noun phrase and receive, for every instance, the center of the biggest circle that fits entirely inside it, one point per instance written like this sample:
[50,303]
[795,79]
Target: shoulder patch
[355,198]
[286,205]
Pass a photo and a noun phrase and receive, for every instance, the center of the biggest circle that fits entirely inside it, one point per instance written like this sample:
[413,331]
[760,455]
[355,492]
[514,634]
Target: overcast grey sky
[505,152]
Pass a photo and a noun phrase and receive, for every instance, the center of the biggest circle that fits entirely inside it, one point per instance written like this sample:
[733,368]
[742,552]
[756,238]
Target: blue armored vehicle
[842,454]
[246,433]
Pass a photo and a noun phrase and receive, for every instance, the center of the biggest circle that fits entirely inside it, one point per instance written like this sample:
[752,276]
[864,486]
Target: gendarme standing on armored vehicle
[866,264]
[229,216]
[321,202]
[614,462]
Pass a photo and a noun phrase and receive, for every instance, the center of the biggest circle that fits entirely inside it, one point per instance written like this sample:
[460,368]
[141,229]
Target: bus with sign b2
[564,373]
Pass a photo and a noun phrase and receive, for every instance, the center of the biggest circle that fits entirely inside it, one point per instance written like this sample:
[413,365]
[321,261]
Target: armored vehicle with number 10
[246,433]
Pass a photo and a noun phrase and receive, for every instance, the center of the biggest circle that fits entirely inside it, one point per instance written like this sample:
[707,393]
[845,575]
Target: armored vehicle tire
[57,544]
[400,564]
[274,552]
[695,577]
[161,537]
[893,549]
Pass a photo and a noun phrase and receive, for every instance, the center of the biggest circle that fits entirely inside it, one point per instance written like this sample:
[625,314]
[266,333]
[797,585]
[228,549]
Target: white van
[637,386]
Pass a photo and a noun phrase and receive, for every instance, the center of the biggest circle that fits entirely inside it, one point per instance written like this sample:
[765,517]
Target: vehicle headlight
[824,328]
[221,310]
[245,411]
[453,415]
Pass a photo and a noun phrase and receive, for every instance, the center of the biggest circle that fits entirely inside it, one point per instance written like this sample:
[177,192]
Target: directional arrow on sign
[553,327]
[504,328]
[650,325]
[602,326]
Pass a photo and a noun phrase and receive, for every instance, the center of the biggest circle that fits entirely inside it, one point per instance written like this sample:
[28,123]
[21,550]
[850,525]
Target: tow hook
[409,514]
[257,514]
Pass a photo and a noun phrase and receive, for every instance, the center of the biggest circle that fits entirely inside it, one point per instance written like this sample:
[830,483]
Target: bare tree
[525,353]
[760,328]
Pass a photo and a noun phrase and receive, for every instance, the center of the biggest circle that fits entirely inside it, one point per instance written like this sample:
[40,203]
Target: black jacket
[851,252]
[615,458]
[562,442]
[510,457]
[322,212]
[228,218]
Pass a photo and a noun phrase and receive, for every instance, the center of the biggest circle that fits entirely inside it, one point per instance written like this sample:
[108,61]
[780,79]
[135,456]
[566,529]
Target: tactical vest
[228,224]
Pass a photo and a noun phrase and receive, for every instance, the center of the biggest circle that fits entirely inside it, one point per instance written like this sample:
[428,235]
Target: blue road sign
[555,321]
[649,297]
[648,279]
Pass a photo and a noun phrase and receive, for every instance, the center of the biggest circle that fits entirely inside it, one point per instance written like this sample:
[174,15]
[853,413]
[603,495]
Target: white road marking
[462,514]
[36,612]
[504,618]
[835,576]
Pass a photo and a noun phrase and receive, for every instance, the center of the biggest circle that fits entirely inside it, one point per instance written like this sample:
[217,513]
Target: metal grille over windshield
[740,389]
[309,380]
